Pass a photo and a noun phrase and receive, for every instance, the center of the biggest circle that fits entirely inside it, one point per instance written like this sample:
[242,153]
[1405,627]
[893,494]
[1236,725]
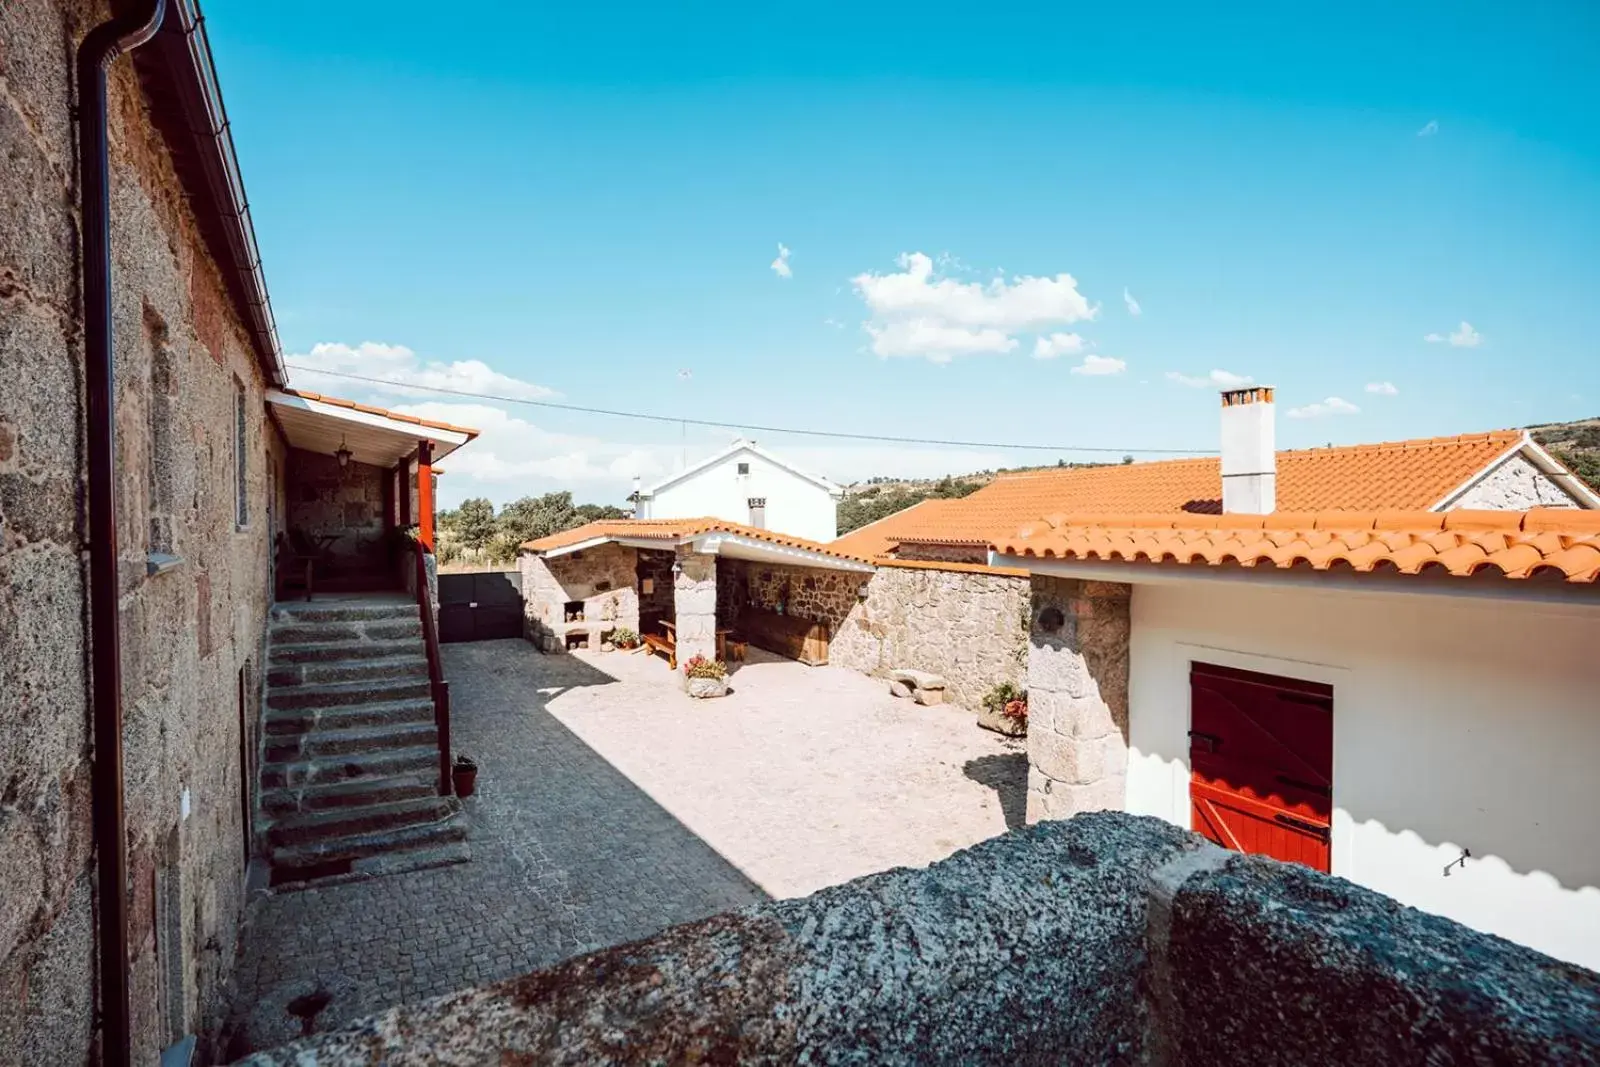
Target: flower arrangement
[1005,710]
[700,667]
[622,637]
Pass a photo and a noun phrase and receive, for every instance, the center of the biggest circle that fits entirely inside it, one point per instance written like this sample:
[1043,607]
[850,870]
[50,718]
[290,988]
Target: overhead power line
[683,420]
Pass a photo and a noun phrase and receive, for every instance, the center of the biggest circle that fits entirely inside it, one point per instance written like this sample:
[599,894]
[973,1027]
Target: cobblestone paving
[610,805]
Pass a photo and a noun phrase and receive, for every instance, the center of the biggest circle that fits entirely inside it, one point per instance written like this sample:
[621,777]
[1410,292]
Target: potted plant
[1005,710]
[706,677]
[624,638]
[464,775]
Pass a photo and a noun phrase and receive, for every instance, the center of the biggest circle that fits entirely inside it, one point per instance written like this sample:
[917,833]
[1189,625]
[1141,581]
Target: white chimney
[1249,452]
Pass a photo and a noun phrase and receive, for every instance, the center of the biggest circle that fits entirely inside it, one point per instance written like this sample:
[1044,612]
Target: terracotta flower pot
[465,778]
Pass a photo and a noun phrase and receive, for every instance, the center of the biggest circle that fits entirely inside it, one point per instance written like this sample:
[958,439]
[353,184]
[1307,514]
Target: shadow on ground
[1007,775]
[568,856]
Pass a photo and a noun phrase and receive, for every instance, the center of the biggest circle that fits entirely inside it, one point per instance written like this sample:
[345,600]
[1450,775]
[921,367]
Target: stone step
[306,773]
[350,792]
[310,633]
[315,855]
[339,694]
[323,672]
[336,611]
[283,654]
[356,741]
[304,828]
[287,722]
[338,872]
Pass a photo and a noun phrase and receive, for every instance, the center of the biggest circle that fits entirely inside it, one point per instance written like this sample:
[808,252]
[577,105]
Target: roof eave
[179,59]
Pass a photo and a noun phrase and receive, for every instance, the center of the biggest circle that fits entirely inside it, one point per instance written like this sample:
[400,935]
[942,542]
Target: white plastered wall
[796,506]
[1457,724]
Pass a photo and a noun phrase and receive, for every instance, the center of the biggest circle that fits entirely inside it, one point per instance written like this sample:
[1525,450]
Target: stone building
[205,481]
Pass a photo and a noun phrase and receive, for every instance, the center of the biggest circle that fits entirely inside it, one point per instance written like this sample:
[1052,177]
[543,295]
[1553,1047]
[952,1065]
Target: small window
[744,468]
[241,460]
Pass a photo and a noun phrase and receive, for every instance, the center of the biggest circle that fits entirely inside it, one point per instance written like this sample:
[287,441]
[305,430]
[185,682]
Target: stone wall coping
[959,568]
[1104,939]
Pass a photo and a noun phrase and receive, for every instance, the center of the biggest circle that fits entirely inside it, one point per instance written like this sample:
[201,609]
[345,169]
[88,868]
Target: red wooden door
[1261,763]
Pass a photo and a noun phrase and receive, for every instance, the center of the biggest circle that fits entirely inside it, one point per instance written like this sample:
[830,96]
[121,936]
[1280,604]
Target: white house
[1410,700]
[751,486]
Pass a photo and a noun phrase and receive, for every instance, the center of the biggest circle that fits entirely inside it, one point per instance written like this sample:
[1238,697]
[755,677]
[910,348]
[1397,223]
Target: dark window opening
[744,468]
[241,457]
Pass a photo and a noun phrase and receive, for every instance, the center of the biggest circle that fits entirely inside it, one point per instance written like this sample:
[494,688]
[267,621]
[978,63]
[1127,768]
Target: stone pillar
[1077,697]
[694,594]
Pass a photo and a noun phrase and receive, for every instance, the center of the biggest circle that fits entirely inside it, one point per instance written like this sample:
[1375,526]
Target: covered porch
[357,491]
[690,587]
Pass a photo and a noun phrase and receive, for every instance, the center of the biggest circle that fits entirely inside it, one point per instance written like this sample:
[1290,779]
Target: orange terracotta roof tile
[340,402]
[675,530]
[1560,544]
[1406,476]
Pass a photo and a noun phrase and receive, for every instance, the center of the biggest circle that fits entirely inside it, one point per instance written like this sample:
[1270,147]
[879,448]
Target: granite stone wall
[191,633]
[326,499]
[602,578]
[815,593]
[695,604]
[970,628]
[1109,939]
[1077,697]
[657,567]
[1516,485]
[931,553]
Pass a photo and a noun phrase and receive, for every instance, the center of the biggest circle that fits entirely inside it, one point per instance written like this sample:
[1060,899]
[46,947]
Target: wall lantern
[343,455]
[677,568]
[862,592]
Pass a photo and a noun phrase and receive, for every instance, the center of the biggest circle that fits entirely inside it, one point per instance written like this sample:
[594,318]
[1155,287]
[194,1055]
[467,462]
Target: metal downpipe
[100,47]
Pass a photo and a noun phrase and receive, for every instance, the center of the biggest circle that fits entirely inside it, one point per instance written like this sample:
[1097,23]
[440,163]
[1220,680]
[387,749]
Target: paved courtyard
[611,805]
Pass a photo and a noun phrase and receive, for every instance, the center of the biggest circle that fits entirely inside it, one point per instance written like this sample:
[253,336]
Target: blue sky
[583,201]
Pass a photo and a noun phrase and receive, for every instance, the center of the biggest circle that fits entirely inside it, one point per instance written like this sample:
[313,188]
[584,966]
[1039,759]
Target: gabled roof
[732,450]
[670,532]
[1558,543]
[1417,475]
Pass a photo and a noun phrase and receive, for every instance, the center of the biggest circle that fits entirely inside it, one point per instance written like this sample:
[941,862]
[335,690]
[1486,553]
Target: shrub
[700,667]
[623,637]
[1003,694]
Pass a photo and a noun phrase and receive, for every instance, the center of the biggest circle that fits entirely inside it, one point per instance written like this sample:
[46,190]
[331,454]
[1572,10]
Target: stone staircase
[350,756]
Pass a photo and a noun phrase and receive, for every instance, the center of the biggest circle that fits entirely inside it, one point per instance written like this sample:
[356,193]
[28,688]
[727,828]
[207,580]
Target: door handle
[1321,832]
[1211,740]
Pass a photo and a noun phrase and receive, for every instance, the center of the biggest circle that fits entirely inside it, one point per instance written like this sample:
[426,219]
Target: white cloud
[1331,406]
[935,340]
[918,312]
[1382,388]
[1057,344]
[780,266]
[835,323]
[1098,365]
[1430,129]
[1133,305]
[1463,336]
[400,366]
[1217,379]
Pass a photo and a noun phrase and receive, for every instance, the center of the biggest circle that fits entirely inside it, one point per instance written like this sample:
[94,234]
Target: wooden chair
[656,643]
[295,569]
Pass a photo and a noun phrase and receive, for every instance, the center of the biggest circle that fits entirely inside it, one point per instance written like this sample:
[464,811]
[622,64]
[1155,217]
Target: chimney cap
[1249,394]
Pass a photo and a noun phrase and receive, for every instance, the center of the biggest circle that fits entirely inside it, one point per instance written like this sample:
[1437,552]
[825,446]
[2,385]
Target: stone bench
[922,686]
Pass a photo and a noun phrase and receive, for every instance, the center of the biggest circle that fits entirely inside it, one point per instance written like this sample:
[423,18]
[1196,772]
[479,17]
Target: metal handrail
[438,687]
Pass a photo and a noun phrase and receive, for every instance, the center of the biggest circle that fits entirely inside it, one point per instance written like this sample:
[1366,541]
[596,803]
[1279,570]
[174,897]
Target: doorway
[1261,763]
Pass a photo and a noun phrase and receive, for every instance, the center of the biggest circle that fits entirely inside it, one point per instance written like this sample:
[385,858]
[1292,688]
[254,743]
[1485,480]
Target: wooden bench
[654,643]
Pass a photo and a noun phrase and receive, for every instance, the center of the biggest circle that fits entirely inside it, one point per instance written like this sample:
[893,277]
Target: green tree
[474,522]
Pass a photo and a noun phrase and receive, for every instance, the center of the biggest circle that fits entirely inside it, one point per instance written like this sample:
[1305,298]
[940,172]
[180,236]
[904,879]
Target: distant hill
[1577,444]
[875,498]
